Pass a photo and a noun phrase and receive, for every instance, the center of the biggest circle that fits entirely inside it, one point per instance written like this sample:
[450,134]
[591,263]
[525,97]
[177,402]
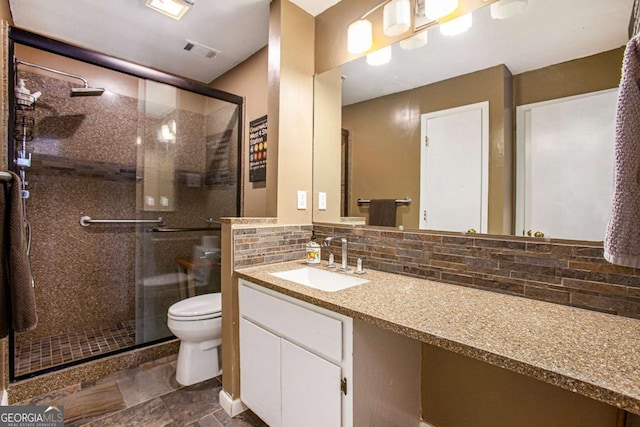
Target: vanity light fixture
[396,17]
[172,8]
[414,42]
[396,20]
[379,57]
[436,9]
[503,9]
[457,26]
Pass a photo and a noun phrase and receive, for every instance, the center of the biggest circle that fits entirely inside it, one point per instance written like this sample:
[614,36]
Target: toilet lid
[201,305]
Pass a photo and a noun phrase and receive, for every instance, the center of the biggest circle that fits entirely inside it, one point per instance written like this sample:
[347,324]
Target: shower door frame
[27,38]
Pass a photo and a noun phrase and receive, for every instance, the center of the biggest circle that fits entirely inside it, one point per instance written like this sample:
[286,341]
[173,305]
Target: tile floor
[145,396]
[34,355]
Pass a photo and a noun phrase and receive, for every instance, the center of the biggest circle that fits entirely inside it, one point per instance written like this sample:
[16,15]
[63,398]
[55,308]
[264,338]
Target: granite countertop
[591,353]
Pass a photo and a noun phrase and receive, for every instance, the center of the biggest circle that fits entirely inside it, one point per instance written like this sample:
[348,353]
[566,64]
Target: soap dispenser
[313,250]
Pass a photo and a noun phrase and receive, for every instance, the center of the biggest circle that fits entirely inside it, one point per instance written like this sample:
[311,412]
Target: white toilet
[197,322]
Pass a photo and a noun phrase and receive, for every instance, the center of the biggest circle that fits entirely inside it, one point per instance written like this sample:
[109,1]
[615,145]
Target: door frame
[484,134]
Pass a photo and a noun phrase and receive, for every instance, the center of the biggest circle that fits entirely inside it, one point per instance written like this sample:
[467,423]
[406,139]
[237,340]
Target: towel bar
[85,221]
[406,200]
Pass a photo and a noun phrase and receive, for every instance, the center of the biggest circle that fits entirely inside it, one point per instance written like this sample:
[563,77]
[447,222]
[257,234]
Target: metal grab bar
[178,230]
[405,200]
[85,221]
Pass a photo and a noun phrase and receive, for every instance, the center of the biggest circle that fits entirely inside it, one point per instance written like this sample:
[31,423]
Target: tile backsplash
[268,244]
[574,274]
[554,271]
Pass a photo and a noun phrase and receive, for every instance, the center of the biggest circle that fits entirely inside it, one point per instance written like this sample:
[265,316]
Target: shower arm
[52,70]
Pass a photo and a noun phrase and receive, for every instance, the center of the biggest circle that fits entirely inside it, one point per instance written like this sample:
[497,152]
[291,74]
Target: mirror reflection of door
[565,157]
[454,155]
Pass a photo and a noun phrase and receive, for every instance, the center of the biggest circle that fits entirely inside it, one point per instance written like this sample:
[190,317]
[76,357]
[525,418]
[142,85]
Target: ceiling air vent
[201,50]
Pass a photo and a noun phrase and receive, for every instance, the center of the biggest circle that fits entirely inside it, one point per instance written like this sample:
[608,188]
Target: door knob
[535,234]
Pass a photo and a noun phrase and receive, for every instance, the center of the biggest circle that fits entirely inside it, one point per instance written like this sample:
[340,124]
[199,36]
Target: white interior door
[454,169]
[565,154]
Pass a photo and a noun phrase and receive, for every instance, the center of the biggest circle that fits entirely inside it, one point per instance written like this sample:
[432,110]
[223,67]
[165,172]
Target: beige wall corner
[290,111]
[249,80]
[229,289]
[5,11]
[327,142]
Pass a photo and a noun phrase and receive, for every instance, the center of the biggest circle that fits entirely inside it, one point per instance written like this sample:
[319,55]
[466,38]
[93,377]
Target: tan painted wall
[290,111]
[386,150]
[589,74]
[460,391]
[5,11]
[249,80]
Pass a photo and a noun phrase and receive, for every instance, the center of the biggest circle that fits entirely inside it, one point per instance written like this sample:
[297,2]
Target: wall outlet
[302,200]
[322,201]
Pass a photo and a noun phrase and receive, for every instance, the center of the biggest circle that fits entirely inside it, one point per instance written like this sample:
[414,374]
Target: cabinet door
[260,372]
[311,393]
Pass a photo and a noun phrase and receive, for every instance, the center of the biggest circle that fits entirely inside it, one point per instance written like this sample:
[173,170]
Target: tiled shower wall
[86,162]
[553,271]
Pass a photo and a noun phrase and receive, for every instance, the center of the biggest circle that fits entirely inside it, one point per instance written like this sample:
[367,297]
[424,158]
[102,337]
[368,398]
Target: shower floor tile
[35,355]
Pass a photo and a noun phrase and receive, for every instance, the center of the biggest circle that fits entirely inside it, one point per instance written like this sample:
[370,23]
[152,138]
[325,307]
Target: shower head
[86,91]
[75,91]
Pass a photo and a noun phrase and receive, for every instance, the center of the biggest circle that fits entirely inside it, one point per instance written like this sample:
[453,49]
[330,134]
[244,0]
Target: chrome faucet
[327,242]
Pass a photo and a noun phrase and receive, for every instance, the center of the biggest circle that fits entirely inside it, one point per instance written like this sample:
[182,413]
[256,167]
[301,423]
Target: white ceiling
[547,32]
[129,30]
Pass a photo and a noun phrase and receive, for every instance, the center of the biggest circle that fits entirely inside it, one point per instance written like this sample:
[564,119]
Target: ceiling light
[380,56]
[173,8]
[504,9]
[359,36]
[396,17]
[436,9]
[414,42]
[457,26]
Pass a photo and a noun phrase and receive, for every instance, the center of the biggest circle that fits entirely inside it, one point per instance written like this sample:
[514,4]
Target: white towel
[622,241]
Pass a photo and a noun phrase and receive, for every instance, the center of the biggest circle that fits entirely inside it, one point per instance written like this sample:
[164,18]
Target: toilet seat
[201,307]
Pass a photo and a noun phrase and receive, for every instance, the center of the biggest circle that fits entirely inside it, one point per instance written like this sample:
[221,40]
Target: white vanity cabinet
[295,360]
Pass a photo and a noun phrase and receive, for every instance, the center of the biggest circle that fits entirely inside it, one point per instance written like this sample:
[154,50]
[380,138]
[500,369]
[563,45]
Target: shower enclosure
[123,191]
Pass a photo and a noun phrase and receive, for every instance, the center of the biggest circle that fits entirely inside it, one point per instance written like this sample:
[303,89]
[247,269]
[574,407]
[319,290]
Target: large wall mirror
[507,128]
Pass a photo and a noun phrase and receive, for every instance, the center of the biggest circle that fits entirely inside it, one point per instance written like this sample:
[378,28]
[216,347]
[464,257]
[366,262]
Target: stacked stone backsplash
[268,244]
[554,271]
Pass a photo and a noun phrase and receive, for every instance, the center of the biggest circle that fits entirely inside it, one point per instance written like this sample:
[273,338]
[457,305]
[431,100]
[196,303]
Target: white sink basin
[320,279]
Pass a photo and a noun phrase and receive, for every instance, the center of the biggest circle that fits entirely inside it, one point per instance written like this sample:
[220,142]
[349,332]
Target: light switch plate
[322,201]
[302,200]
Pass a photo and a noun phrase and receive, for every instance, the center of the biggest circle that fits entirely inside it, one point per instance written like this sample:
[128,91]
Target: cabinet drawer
[315,331]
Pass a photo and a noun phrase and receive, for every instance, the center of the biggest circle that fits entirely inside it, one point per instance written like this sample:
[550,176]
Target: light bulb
[457,26]
[436,9]
[414,42]
[396,18]
[380,56]
[359,36]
